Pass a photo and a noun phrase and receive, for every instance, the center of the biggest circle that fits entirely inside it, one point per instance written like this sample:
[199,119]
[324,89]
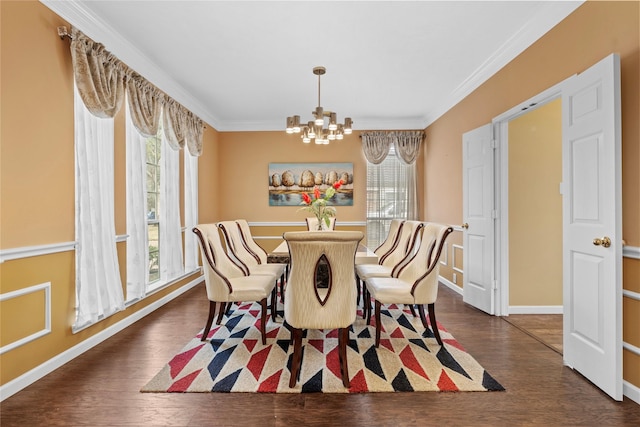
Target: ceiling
[247,65]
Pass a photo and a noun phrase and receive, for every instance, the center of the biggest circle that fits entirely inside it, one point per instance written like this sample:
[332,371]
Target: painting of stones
[287,182]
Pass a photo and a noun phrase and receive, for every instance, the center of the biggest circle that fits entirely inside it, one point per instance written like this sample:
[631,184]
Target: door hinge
[494,214]
[494,284]
[494,143]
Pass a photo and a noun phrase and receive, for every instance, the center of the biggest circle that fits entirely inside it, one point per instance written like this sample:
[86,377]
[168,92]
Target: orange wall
[37,187]
[244,173]
[245,170]
[590,33]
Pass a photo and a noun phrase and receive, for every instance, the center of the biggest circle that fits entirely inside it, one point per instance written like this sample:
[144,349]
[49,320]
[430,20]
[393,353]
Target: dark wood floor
[101,387]
[546,328]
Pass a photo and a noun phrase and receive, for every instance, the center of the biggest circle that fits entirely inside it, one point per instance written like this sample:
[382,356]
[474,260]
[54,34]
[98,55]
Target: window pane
[152,207]
[154,253]
[151,150]
[152,177]
[386,197]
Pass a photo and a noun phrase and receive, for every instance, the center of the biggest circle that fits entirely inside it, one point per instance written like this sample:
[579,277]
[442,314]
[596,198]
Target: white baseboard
[12,387]
[449,284]
[535,309]
[631,391]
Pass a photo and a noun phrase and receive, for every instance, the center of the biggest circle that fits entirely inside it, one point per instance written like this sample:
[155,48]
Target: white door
[592,218]
[477,212]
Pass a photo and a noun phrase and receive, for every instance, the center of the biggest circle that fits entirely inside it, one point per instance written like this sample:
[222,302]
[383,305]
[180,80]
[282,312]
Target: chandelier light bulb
[315,129]
[296,124]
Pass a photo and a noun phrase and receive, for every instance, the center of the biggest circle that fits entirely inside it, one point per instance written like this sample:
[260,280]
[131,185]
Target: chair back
[312,224]
[218,267]
[254,247]
[392,236]
[237,248]
[305,305]
[405,245]
[423,267]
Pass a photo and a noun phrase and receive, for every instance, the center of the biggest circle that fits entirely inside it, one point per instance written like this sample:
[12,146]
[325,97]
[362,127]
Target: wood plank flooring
[101,387]
[546,328]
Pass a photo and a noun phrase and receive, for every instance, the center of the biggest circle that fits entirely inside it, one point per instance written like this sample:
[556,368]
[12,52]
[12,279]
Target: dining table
[280,254]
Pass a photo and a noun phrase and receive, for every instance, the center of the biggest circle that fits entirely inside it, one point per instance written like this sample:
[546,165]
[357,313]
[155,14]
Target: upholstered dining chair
[227,282]
[414,282]
[246,253]
[312,224]
[308,306]
[404,246]
[258,251]
[391,241]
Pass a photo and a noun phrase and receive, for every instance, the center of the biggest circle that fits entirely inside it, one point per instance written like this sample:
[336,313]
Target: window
[153,154]
[390,194]
[155,240]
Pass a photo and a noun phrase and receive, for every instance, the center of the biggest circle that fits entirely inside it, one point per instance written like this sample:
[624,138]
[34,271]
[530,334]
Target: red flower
[338,184]
[316,192]
[306,198]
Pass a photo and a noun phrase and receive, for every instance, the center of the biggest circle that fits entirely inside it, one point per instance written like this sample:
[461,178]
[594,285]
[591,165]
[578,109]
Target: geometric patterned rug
[233,359]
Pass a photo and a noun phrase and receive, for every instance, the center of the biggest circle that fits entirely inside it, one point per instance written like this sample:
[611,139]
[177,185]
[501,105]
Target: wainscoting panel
[38,296]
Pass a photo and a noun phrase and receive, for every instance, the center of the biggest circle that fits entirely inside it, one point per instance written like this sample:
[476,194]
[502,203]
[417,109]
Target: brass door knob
[605,241]
[465,226]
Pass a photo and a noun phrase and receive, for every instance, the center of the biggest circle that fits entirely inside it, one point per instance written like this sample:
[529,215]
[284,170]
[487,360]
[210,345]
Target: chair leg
[297,349]
[274,303]
[423,318]
[432,319]
[207,327]
[221,312]
[368,304]
[343,339]
[413,310]
[358,283]
[263,320]
[378,326]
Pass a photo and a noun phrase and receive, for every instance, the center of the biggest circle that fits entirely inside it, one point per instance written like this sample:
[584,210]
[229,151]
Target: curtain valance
[376,144]
[102,81]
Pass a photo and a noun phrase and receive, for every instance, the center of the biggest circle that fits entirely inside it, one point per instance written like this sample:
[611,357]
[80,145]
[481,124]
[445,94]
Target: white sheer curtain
[98,285]
[138,240]
[171,264]
[190,211]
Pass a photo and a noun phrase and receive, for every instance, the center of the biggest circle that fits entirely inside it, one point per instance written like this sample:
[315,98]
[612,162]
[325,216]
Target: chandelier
[315,129]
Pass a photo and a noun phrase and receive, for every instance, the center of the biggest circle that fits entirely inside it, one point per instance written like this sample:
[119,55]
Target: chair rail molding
[631,252]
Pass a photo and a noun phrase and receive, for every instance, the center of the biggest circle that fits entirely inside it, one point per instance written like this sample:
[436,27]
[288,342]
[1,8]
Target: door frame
[501,176]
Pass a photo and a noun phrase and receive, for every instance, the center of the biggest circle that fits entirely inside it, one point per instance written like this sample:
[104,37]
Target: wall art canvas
[287,182]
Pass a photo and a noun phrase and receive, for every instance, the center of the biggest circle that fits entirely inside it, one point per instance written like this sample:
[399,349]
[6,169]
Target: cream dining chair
[405,245]
[414,282]
[247,253]
[308,306]
[226,282]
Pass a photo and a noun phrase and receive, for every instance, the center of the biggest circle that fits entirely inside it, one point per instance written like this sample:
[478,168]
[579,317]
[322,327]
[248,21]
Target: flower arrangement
[318,205]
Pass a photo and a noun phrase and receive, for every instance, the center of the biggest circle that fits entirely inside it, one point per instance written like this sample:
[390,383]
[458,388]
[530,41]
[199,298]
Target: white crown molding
[545,19]
[360,124]
[77,15]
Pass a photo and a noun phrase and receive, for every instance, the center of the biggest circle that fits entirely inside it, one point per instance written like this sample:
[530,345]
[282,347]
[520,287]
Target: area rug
[233,359]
